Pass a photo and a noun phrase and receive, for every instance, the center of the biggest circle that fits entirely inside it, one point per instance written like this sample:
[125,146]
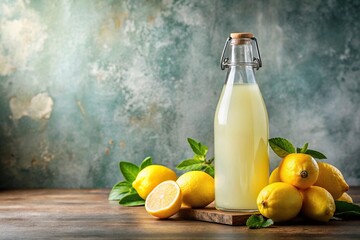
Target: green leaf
[347,210]
[348,215]
[210,170]
[281,146]
[254,221]
[146,162]
[199,157]
[342,206]
[303,149]
[119,190]
[267,223]
[131,200]
[129,171]
[132,190]
[190,164]
[315,154]
[258,221]
[204,149]
[197,147]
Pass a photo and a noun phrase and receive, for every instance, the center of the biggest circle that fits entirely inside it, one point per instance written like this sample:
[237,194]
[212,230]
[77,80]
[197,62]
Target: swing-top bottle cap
[240,39]
[241,35]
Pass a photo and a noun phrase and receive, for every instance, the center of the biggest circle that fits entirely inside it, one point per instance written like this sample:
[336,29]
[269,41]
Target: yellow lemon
[318,204]
[197,188]
[298,169]
[279,201]
[150,177]
[164,200]
[274,176]
[345,197]
[331,179]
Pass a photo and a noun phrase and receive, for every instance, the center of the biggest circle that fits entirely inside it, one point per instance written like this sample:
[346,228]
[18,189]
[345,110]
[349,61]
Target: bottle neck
[241,52]
[241,69]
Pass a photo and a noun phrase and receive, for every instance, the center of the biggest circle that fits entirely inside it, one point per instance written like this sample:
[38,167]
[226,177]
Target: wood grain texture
[210,214]
[79,214]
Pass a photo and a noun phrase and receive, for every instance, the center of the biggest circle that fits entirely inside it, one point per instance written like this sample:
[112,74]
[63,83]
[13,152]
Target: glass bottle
[240,129]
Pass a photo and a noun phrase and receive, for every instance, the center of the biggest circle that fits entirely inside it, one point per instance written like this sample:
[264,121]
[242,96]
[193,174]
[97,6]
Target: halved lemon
[164,200]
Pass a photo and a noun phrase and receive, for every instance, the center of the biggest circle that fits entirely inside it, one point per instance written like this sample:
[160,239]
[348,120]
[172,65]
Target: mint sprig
[283,147]
[198,148]
[123,191]
[131,200]
[345,210]
[315,154]
[129,171]
[258,221]
[199,161]
[119,190]
[146,162]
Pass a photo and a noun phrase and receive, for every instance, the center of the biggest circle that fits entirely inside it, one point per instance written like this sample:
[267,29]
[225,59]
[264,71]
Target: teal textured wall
[84,84]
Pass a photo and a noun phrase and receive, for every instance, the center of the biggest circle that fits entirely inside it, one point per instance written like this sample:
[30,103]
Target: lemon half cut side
[164,200]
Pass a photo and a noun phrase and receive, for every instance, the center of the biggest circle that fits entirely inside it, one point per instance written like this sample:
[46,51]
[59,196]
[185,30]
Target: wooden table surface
[74,214]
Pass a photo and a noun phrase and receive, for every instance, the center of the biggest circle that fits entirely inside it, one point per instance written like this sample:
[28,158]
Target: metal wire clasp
[223,61]
[256,60]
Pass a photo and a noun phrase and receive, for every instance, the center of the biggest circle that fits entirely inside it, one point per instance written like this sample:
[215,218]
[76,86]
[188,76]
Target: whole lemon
[331,179]
[298,169]
[197,188]
[279,201]
[274,176]
[150,177]
[346,198]
[318,204]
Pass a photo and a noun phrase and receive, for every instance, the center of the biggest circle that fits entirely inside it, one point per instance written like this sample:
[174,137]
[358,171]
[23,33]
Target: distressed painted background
[84,84]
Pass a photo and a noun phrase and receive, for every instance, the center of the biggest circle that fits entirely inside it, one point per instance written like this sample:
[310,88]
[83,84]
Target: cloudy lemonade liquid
[241,147]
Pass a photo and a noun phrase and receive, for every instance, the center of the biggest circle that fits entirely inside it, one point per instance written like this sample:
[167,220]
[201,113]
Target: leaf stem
[209,161]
